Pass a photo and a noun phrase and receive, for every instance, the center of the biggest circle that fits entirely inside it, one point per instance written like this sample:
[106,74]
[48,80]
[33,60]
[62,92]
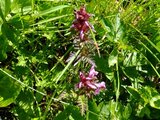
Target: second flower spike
[88,83]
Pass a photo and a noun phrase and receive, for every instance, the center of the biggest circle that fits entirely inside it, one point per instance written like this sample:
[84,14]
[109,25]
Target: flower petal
[100,85]
[96,91]
[81,34]
[91,85]
[92,72]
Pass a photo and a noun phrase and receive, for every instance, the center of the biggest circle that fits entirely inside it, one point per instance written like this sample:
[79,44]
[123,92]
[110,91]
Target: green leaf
[117,23]
[127,111]
[102,65]
[62,115]
[18,6]
[132,74]
[106,24]
[9,90]
[50,19]
[69,111]
[1,98]
[143,110]
[133,92]
[113,57]
[158,42]
[93,110]
[116,109]
[74,112]
[155,102]
[5,6]
[53,9]
[105,111]
[8,32]
[147,93]
[24,102]
[118,29]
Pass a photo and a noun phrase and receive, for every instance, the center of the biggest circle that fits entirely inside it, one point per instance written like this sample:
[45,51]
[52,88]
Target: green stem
[87,116]
[118,86]
[32,6]
[95,42]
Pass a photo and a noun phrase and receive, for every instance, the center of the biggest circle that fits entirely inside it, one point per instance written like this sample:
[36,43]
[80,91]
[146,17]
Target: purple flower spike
[89,83]
[81,23]
[82,15]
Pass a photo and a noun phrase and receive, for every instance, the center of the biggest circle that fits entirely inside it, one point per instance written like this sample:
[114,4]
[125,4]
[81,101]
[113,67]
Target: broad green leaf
[127,111]
[147,93]
[155,102]
[132,74]
[118,29]
[143,110]
[2,18]
[116,109]
[133,92]
[93,110]
[5,6]
[24,103]
[157,39]
[119,111]
[53,9]
[74,112]
[62,115]
[113,57]
[18,6]
[9,90]
[102,65]
[105,111]
[70,111]
[8,32]
[1,98]
[117,23]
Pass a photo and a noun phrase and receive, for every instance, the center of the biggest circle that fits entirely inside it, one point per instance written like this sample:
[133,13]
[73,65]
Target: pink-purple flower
[88,83]
[81,23]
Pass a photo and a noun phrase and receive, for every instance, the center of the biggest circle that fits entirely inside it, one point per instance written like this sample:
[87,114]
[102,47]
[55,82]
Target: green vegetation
[42,59]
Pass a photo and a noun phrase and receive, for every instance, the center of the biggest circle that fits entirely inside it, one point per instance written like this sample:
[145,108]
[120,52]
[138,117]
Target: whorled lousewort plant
[88,81]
